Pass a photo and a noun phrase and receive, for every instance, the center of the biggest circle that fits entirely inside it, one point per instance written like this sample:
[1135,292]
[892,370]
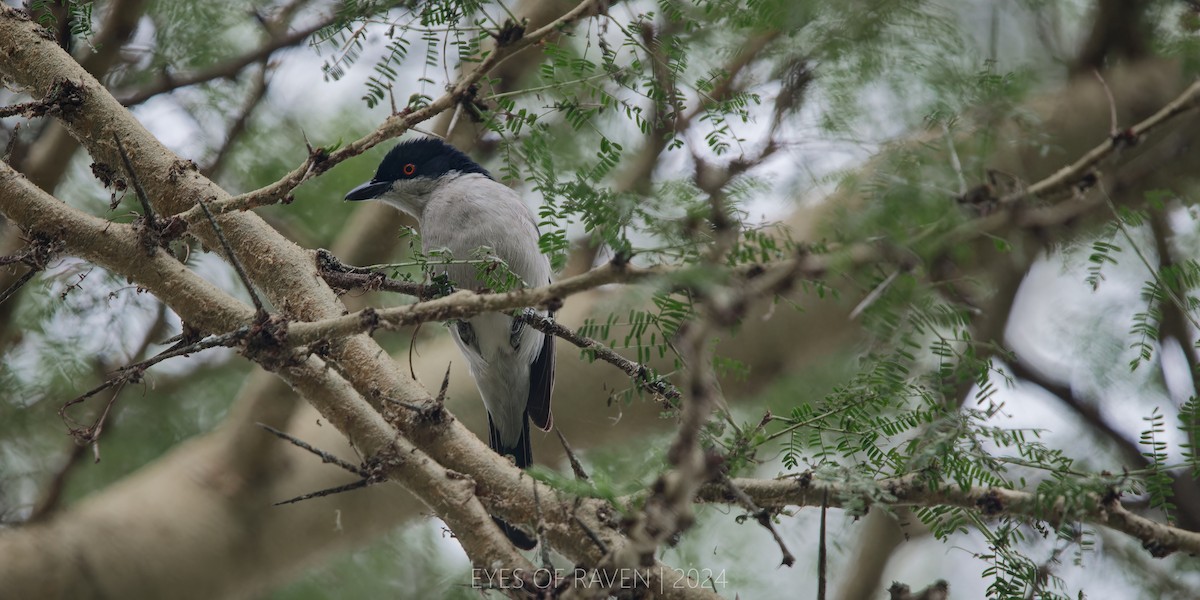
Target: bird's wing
[541,385]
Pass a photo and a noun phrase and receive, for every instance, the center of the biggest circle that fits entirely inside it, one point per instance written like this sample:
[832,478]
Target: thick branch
[116,247]
[287,275]
[914,490]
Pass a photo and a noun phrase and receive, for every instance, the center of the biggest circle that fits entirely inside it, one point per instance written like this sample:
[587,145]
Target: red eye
[410,168]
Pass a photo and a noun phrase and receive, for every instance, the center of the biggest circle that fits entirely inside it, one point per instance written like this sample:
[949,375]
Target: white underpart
[462,213]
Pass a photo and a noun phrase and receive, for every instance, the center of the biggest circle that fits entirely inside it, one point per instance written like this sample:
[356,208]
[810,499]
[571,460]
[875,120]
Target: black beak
[369,190]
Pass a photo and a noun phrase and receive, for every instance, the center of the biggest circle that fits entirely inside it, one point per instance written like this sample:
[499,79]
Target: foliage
[78,16]
[928,389]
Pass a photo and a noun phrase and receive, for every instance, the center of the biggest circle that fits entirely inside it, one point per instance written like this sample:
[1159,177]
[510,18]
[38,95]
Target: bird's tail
[516,535]
[523,455]
[520,451]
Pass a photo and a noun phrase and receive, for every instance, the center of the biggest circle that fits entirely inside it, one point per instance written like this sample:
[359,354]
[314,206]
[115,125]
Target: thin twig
[417,408]
[667,511]
[15,257]
[1112,103]
[643,376]
[341,275]
[361,483]
[762,516]
[917,489]
[33,108]
[576,466]
[36,255]
[152,233]
[464,303]
[143,198]
[453,118]
[325,456]
[590,534]
[238,126]
[873,296]
[233,259]
[229,68]
[954,160]
[97,428]
[1130,452]
[50,498]
[1073,173]
[16,285]
[1167,289]
[822,573]
[441,396]
[399,123]
[412,350]
[134,372]
[1046,568]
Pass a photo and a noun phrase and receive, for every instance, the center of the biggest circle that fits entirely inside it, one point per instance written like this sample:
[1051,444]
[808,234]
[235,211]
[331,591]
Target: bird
[460,208]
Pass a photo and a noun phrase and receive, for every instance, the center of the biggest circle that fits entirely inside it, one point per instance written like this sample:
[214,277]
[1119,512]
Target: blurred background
[1062,343]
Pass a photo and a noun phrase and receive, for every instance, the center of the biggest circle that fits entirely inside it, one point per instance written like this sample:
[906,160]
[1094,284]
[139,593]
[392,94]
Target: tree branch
[237,127]
[643,376]
[116,247]
[465,303]
[917,490]
[396,124]
[284,272]
[230,68]
[1076,174]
